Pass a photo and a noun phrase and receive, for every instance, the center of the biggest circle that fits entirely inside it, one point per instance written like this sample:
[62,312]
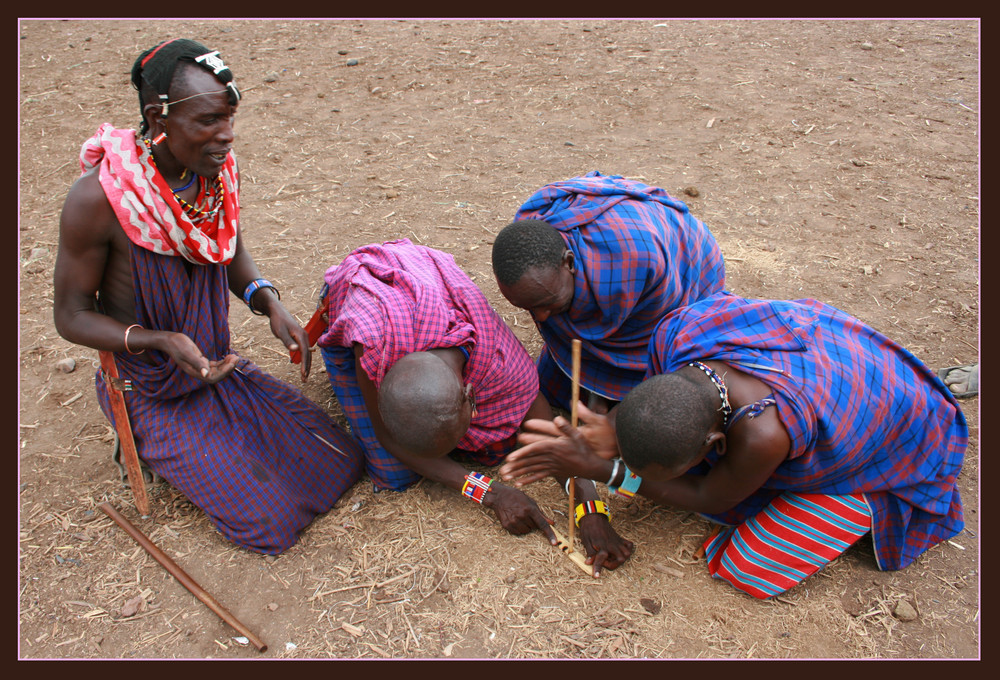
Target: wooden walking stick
[124,429]
[181,575]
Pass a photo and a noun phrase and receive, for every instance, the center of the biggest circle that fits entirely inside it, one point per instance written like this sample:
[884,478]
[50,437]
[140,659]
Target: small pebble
[67,365]
[762,222]
[651,606]
[692,191]
[904,611]
[271,77]
[352,62]
[341,52]
[867,46]
[273,606]
[851,605]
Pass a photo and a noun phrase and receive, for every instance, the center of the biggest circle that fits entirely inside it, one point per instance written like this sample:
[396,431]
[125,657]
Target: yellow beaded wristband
[591,507]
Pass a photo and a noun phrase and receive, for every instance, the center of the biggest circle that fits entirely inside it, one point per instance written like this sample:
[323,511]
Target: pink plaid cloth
[398,297]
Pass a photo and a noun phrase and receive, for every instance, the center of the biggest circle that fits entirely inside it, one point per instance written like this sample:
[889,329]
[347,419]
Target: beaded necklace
[720,385]
[199,212]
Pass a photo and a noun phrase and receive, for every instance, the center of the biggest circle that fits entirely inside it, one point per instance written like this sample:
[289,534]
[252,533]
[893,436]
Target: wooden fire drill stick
[574,398]
[181,575]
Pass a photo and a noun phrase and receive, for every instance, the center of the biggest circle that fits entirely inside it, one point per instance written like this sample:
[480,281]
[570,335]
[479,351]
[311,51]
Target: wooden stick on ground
[181,575]
[574,398]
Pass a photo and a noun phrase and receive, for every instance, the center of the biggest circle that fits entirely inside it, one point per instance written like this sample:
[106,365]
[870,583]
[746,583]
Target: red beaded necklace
[206,205]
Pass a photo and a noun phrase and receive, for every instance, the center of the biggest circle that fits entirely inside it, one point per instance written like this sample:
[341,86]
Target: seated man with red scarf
[149,248]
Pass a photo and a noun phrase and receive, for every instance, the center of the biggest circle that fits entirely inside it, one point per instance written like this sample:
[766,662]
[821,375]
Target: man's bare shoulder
[87,208]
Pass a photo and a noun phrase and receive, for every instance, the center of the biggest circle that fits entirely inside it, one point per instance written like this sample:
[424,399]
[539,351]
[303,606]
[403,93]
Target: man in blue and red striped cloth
[149,250]
[603,259]
[423,367]
[795,426]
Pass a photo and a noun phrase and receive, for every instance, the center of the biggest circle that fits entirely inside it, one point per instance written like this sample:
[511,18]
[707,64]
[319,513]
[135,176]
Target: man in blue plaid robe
[602,258]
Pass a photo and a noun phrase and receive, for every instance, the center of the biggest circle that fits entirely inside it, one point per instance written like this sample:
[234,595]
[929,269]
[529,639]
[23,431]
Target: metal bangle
[614,472]
[127,331]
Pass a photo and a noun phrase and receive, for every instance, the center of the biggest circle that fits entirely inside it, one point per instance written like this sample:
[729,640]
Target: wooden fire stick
[181,575]
[124,429]
[575,398]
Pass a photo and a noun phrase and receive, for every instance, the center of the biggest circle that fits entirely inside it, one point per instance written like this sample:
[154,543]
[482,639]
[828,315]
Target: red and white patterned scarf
[146,207]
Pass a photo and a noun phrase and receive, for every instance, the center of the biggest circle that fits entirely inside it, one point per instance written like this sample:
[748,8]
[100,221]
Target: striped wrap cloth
[147,209]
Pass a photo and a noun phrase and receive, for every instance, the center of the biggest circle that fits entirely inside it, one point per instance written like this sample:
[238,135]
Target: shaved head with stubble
[423,405]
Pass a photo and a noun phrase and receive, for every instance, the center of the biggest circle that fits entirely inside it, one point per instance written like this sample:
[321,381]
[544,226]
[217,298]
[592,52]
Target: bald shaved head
[422,403]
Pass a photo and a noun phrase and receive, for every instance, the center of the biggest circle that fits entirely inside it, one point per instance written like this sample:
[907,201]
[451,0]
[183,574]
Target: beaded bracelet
[127,331]
[252,288]
[590,508]
[476,485]
[630,485]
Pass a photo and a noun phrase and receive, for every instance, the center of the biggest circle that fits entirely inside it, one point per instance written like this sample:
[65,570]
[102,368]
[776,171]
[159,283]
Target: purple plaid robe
[864,415]
[249,450]
[639,254]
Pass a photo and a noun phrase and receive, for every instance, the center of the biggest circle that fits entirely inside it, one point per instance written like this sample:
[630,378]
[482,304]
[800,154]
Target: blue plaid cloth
[639,254]
[251,451]
[864,415]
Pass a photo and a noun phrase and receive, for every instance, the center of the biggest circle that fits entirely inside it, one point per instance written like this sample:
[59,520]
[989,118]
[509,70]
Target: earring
[158,139]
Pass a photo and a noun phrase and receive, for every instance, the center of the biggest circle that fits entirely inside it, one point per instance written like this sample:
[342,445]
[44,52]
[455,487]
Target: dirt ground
[832,159]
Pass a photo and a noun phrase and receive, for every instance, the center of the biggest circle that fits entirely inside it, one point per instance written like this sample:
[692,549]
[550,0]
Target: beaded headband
[156,67]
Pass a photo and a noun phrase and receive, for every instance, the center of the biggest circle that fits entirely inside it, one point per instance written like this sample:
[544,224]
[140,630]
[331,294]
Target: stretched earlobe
[716,440]
[569,259]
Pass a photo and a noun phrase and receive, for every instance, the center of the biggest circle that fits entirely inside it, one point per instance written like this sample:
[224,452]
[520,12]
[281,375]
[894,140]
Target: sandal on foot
[962,381]
[149,475]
